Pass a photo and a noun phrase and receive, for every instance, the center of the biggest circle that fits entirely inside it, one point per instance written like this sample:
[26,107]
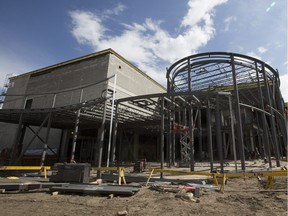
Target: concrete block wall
[130,81]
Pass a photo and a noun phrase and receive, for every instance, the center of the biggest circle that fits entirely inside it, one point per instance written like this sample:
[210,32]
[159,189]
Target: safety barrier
[121,172]
[26,168]
[271,174]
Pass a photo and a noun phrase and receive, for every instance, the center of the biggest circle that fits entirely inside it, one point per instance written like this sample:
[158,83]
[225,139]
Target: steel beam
[238,115]
[162,135]
[209,135]
[46,139]
[218,133]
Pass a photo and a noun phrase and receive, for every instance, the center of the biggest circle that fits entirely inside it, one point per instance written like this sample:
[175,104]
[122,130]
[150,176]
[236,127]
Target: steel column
[209,135]
[272,116]
[46,139]
[238,115]
[267,152]
[162,135]
[111,120]
[101,140]
[232,132]
[115,129]
[218,133]
[200,143]
[191,138]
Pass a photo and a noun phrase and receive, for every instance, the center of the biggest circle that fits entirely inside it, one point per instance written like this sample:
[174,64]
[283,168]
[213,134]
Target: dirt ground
[240,197]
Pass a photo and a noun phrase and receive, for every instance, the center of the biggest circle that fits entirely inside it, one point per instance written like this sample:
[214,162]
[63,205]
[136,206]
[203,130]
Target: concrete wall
[130,81]
[17,86]
[76,74]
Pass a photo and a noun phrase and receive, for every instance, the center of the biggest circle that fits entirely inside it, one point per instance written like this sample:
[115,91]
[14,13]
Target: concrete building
[79,90]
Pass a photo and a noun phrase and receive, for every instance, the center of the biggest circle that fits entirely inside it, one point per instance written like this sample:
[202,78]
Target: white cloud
[88,28]
[262,49]
[115,11]
[147,44]
[284,86]
[228,21]
[199,9]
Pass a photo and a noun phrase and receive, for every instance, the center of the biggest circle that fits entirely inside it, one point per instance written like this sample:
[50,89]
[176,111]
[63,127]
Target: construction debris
[122,213]
[96,189]
[28,186]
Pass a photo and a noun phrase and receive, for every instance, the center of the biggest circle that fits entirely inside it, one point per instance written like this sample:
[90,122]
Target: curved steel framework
[258,107]
[218,106]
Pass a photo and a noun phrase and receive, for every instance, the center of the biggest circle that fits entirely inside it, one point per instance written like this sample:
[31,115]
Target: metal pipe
[191,138]
[200,143]
[115,129]
[111,120]
[218,133]
[209,135]
[75,135]
[263,119]
[162,136]
[272,120]
[232,132]
[46,140]
[238,115]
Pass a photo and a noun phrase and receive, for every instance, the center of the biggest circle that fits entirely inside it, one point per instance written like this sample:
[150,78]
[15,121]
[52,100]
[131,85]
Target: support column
[101,140]
[200,143]
[238,115]
[75,136]
[218,133]
[162,136]
[209,135]
[115,127]
[267,152]
[169,139]
[191,139]
[252,140]
[46,139]
[111,120]
[232,132]
[272,117]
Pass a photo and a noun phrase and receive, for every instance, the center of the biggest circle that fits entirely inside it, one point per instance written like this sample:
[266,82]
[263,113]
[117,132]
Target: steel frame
[214,83]
[208,94]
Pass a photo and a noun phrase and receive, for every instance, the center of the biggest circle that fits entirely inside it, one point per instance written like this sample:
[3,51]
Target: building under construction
[101,109]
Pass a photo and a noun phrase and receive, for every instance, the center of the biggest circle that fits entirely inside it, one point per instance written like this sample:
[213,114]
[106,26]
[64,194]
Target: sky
[152,34]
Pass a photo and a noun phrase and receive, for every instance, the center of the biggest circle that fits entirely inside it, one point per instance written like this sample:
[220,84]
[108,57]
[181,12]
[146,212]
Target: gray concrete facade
[72,82]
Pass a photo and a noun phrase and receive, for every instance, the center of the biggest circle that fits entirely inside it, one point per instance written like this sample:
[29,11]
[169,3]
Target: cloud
[262,49]
[115,11]
[147,44]
[228,21]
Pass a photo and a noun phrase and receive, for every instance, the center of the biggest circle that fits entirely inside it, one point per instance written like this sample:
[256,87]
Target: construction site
[98,125]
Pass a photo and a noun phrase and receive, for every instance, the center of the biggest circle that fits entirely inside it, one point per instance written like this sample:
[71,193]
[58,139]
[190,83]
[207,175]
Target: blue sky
[150,34]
